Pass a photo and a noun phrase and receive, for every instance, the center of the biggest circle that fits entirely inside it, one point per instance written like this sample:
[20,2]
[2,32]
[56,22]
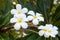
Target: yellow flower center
[35,17]
[19,12]
[45,30]
[49,31]
[19,20]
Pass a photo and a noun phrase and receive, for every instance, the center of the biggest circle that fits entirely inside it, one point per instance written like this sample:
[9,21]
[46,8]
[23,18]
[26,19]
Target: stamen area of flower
[35,17]
[44,30]
[20,20]
[19,12]
[49,31]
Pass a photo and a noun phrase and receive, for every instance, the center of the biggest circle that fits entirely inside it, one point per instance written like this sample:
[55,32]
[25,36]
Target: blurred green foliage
[44,7]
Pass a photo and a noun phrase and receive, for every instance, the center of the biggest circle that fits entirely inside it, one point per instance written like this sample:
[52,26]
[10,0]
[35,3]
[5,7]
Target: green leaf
[44,6]
[28,4]
[32,37]
[5,14]
[41,38]
[56,17]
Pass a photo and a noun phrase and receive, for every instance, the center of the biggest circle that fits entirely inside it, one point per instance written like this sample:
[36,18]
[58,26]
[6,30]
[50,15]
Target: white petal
[52,35]
[38,14]
[35,22]
[14,3]
[17,26]
[41,32]
[55,28]
[30,18]
[54,32]
[16,16]
[55,2]
[49,26]
[24,25]
[41,27]
[13,20]
[24,34]
[24,10]
[20,16]
[46,35]
[31,13]
[41,18]
[25,19]
[13,11]
[18,6]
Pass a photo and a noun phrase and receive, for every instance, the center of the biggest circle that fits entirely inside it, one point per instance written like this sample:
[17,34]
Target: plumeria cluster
[19,17]
[48,30]
[22,16]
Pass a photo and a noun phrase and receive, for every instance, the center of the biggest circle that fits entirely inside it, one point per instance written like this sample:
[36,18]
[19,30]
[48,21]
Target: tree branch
[4,29]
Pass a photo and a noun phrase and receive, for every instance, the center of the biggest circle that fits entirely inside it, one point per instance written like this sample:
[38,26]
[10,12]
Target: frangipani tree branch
[4,29]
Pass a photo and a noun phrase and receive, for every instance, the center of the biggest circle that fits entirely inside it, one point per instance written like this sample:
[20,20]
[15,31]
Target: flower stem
[51,38]
[45,38]
[56,38]
[32,31]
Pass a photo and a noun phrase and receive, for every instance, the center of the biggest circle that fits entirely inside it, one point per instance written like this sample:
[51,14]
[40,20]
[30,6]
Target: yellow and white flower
[19,11]
[19,22]
[48,30]
[35,18]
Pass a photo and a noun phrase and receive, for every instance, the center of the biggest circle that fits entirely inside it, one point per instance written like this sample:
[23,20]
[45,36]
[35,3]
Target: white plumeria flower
[19,22]
[19,11]
[35,18]
[14,3]
[23,34]
[55,2]
[59,2]
[48,30]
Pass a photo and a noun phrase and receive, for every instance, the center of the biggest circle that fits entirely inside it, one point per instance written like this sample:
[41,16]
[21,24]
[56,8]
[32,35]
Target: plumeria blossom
[19,22]
[19,11]
[59,2]
[35,18]
[14,3]
[55,2]
[48,30]
[23,34]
